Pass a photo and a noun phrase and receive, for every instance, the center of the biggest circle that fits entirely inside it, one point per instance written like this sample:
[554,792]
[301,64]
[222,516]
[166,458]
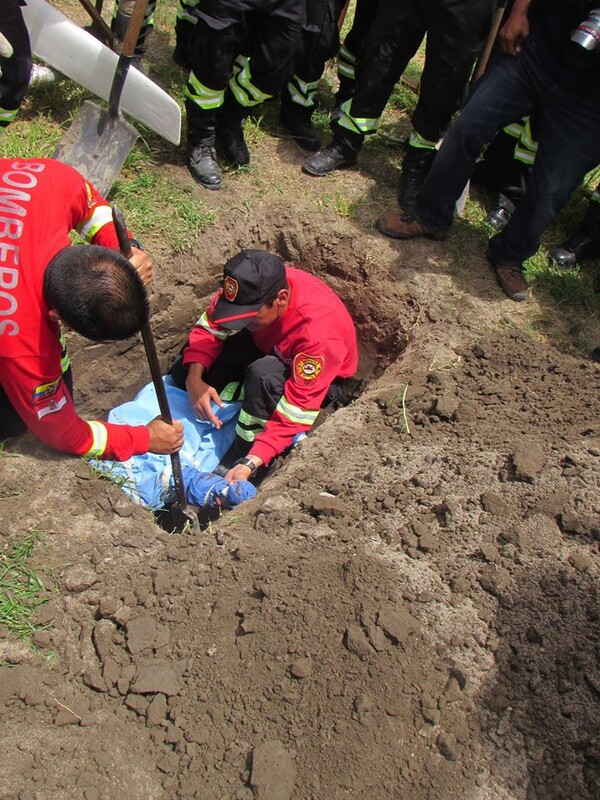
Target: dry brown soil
[409,609]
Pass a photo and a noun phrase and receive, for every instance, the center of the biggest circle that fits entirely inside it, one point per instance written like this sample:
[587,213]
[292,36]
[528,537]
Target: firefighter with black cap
[278,337]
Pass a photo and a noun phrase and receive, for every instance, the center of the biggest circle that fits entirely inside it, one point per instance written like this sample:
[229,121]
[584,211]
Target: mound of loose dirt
[410,606]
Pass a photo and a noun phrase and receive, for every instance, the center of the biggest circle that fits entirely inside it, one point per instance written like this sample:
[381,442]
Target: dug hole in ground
[408,609]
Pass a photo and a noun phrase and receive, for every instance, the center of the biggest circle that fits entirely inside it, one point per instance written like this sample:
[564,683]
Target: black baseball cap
[249,279]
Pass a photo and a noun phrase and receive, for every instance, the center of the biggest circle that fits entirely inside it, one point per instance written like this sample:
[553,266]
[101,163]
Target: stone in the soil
[301,667]
[356,641]
[141,633]
[528,461]
[398,623]
[16,652]
[157,710]
[79,578]
[273,772]
[155,676]
[494,504]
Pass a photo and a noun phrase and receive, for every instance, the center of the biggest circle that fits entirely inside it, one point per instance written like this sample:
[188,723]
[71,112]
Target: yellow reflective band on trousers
[296,414]
[523,155]
[356,125]
[515,129]
[201,95]
[7,116]
[99,439]
[204,323]
[248,426]
[302,93]
[527,139]
[418,141]
[346,63]
[244,91]
[65,361]
[185,9]
[228,393]
[92,224]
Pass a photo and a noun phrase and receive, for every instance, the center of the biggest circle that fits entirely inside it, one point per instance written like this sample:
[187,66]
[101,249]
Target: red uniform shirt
[41,201]
[315,337]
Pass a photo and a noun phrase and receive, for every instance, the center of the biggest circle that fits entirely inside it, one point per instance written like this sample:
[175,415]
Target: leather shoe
[511,279]
[402,225]
[336,156]
[234,147]
[202,163]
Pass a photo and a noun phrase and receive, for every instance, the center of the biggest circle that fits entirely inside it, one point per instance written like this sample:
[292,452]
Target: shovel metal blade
[97,145]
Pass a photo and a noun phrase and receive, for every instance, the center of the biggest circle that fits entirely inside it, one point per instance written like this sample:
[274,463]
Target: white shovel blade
[77,54]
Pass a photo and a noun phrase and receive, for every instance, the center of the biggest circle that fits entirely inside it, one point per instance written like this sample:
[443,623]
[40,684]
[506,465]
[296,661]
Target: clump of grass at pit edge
[163,207]
[21,589]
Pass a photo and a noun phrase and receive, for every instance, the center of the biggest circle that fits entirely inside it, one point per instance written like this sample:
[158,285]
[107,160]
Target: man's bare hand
[201,395]
[165,439]
[241,473]
[516,29]
[143,264]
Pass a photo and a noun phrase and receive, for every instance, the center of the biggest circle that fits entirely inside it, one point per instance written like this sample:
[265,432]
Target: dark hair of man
[273,297]
[97,292]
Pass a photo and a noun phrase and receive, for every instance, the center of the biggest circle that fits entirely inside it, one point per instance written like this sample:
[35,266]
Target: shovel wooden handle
[155,371]
[127,52]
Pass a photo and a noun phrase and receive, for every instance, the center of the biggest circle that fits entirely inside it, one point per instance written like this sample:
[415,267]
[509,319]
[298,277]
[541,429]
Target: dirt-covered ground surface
[409,608]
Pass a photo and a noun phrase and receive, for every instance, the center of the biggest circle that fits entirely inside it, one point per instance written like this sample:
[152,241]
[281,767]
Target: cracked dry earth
[409,608]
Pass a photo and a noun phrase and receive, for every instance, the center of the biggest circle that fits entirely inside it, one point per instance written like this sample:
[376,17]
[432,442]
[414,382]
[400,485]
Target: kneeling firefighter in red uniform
[283,337]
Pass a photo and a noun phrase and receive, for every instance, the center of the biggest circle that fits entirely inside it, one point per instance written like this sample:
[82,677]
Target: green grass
[163,207]
[106,473]
[21,589]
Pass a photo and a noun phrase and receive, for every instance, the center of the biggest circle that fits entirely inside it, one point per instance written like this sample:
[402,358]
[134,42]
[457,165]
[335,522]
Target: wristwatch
[247,462]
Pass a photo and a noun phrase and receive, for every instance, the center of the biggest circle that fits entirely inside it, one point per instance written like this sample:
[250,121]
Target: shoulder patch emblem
[307,368]
[90,196]
[230,288]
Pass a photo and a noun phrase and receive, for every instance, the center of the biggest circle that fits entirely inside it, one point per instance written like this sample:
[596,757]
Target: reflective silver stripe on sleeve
[295,414]
[90,226]
[99,439]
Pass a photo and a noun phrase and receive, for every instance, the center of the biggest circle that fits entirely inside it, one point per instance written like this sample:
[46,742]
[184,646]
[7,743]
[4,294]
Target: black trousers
[456,31]
[268,32]
[11,423]
[16,70]
[261,376]
[321,38]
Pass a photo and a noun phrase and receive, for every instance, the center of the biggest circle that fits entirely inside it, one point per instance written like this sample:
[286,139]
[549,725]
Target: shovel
[181,517]
[99,140]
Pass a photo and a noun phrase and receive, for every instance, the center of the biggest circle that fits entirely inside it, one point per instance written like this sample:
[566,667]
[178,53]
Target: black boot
[336,155]
[498,216]
[202,163]
[415,168]
[574,250]
[297,119]
[230,133]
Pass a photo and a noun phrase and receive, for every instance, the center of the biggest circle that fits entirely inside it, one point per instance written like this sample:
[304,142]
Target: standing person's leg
[15,68]
[568,148]
[185,22]
[456,31]
[507,91]
[215,41]
[394,37]
[321,42]
[123,9]
[353,47]
[272,41]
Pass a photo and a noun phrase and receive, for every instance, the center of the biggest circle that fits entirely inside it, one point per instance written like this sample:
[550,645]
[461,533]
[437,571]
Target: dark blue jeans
[569,146]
